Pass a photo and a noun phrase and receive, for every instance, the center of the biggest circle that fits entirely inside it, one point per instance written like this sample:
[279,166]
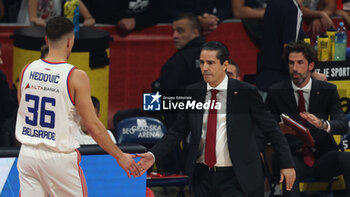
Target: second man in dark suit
[310,102]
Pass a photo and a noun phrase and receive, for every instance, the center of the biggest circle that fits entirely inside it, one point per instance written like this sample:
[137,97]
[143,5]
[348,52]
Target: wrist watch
[324,124]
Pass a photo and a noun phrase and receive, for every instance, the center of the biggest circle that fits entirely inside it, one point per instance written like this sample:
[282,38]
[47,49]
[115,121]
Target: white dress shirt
[222,154]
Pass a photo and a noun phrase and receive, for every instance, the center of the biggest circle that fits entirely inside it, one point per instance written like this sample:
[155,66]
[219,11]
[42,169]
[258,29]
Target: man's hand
[89,22]
[39,22]
[312,119]
[314,28]
[127,24]
[319,76]
[326,21]
[208,22]
[286,129]
[145,162]
[288,174]
[126,161]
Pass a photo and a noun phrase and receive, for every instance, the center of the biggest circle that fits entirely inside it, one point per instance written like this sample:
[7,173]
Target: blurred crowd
[128,15]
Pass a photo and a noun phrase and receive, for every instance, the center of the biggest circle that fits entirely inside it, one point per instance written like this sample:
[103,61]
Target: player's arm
[32,12]
[241,11]
[80,90]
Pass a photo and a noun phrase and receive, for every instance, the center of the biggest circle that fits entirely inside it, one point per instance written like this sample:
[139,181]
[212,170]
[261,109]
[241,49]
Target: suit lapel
[315,99]
[289,97]
[200,94]
[231,105]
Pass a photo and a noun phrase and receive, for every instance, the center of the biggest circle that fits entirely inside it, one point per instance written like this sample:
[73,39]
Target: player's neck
[56,56]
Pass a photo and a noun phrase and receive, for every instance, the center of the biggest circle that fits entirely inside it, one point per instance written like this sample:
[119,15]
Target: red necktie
[309,158]
[210,154]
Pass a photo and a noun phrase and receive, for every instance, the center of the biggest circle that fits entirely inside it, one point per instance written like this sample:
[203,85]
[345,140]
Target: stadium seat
[140,130]
[344,141]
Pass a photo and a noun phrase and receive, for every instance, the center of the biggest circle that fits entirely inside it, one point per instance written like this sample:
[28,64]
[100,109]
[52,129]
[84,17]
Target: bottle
[331,36]
[71,11]
[307,39]
[340,43]
[323,48]
[316,45]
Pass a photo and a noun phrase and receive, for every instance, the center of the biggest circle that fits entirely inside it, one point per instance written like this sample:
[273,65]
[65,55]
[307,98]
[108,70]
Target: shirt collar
[221,87]
[306,88]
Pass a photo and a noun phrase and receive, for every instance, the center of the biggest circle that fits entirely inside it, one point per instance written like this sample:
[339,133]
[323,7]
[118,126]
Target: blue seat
[344,143]
[141,130]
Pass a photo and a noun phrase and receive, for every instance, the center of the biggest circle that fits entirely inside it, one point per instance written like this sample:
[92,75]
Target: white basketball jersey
[46,113]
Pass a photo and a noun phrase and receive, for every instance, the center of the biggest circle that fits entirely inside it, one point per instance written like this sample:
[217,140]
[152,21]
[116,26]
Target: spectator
[310,102]
[252,13]
[209,12]
[330,8]
[83,137]
[282,24]
[187,40]
[233,70]
[128,15]
[38,12]
[182,68]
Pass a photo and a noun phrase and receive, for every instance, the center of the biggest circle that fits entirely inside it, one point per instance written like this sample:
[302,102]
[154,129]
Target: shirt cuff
[152,155]
[328,127]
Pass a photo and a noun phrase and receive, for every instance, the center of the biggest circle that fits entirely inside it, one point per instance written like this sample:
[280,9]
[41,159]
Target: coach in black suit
[321,100]
[237,168]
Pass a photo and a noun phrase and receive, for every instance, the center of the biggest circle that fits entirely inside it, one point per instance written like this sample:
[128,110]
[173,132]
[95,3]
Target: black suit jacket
[323,102]
[244,108]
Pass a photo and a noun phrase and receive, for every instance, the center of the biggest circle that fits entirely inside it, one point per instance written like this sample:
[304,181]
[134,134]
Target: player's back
[46,113]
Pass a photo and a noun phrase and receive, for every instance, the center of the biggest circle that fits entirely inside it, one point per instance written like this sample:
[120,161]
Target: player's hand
[127,24]
[288,174]
[126,161]
[286,129]
[145,162]
[312,119]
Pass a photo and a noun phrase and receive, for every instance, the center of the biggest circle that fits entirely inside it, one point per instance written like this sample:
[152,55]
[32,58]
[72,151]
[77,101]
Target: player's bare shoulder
[78,81]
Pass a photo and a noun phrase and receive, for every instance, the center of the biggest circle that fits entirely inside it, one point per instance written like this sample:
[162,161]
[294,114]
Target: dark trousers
[330,164]
[219,183]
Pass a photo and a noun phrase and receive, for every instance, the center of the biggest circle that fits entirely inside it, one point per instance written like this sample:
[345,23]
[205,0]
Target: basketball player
[53,95]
